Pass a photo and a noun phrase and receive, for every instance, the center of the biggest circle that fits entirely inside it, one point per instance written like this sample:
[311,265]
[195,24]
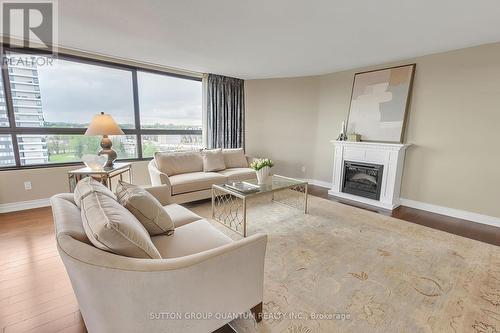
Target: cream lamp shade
[103,124]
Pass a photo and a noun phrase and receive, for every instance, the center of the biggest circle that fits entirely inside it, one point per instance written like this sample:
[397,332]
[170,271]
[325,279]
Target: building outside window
[53,104]
[33,148]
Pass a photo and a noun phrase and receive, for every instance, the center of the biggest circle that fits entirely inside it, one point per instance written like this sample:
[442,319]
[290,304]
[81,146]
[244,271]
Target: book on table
[243,187]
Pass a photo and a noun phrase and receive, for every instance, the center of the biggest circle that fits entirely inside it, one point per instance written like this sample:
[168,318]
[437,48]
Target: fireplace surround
[387,157]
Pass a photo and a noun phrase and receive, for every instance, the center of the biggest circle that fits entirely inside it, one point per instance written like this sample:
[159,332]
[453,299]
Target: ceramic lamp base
[106,145]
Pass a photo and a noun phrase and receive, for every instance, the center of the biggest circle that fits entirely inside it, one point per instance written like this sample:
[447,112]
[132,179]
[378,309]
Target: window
[6,151]
[43,149]
[68,93]
[168,102]
[52,102]
[154,143]
[4,120]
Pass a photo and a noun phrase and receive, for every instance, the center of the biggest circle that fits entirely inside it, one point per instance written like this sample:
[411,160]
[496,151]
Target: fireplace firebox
[362,179]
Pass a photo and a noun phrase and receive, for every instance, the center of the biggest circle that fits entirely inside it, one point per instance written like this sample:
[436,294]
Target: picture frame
[380,100]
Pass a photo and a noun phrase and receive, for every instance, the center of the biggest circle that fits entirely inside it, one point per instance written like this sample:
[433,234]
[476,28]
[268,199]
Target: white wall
[49,181]
[453,123]
[279,117]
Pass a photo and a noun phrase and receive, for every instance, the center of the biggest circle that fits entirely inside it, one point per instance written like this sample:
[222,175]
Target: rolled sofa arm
[162,193]
[250,159]
[157,177]
[155,295]
[161,187]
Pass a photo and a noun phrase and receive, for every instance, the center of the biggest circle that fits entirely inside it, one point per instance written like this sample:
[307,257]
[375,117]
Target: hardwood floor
[35,291]
[481,232]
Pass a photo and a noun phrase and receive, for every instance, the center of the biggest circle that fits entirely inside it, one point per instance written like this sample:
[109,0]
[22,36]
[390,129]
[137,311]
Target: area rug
[344,269]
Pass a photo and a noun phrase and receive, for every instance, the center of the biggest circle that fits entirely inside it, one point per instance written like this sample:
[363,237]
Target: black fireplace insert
[362,179]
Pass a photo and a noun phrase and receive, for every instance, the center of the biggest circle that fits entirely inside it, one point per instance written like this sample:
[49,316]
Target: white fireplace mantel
[390,155]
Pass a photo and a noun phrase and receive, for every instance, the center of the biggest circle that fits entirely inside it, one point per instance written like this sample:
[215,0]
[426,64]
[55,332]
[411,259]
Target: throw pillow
[88,185]
[213,160]
[146,208]
[179,162]
[111,227]
[235,158]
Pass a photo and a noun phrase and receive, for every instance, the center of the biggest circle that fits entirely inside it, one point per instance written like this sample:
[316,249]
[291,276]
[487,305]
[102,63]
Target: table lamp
[103,124]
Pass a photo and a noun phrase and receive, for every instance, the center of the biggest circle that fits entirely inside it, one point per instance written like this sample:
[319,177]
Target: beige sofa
[179,177]
[202,273]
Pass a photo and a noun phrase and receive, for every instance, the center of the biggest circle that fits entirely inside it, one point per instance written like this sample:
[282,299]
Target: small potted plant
[262,167]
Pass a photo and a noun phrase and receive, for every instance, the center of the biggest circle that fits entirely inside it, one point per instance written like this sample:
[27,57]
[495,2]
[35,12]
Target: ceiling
[275,38]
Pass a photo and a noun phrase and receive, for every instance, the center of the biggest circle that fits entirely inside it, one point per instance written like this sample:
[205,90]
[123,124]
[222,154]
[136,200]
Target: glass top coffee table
[229,206]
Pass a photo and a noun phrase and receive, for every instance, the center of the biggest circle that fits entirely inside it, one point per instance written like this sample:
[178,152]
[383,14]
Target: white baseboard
[452,212]
[23,205]
[457,213]
[30,204]
[319,183]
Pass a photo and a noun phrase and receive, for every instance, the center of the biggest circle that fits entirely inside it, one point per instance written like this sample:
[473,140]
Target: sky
[75,92]
[166,97]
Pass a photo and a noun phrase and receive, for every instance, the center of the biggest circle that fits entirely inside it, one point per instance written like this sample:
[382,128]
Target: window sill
[61,165]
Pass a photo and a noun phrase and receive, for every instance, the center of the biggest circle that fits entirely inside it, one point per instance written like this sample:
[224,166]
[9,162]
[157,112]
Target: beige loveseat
[203,276]
[180,177]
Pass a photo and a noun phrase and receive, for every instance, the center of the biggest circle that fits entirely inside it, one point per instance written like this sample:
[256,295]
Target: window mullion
[10,107]
[137,114]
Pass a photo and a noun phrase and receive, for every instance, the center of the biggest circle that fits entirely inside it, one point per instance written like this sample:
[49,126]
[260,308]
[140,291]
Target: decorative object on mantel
[380,101]
[95,162]
[262,167]
[353,137]
[342,136]
[103,124]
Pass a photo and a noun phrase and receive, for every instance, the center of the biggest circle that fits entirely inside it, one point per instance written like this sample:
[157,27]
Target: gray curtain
[226,112]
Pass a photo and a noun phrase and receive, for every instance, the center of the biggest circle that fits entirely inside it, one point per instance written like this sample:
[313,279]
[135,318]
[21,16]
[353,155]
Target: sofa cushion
[180,162]
[88,185]
[235,158]
[213,160]
[238,174]
[189,239]
[111,227]
[195,181]
[181,215]
[146,208]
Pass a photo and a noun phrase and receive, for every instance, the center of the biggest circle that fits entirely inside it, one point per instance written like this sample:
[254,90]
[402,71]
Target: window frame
[14,130]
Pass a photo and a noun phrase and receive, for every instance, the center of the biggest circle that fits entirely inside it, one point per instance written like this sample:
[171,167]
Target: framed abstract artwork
[379,103]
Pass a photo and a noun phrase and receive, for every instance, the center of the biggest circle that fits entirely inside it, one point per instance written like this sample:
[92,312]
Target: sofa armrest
[162,193]
[250,159]
[228,279]
[157,177]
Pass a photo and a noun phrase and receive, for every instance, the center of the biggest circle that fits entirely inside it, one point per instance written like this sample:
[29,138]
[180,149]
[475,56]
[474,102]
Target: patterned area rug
[343,269]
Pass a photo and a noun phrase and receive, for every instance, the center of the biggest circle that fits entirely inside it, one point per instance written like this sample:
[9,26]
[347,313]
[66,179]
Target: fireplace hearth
[363,179]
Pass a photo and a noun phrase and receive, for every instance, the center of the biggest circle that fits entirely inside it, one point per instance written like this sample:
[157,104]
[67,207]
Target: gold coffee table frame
[229,206]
